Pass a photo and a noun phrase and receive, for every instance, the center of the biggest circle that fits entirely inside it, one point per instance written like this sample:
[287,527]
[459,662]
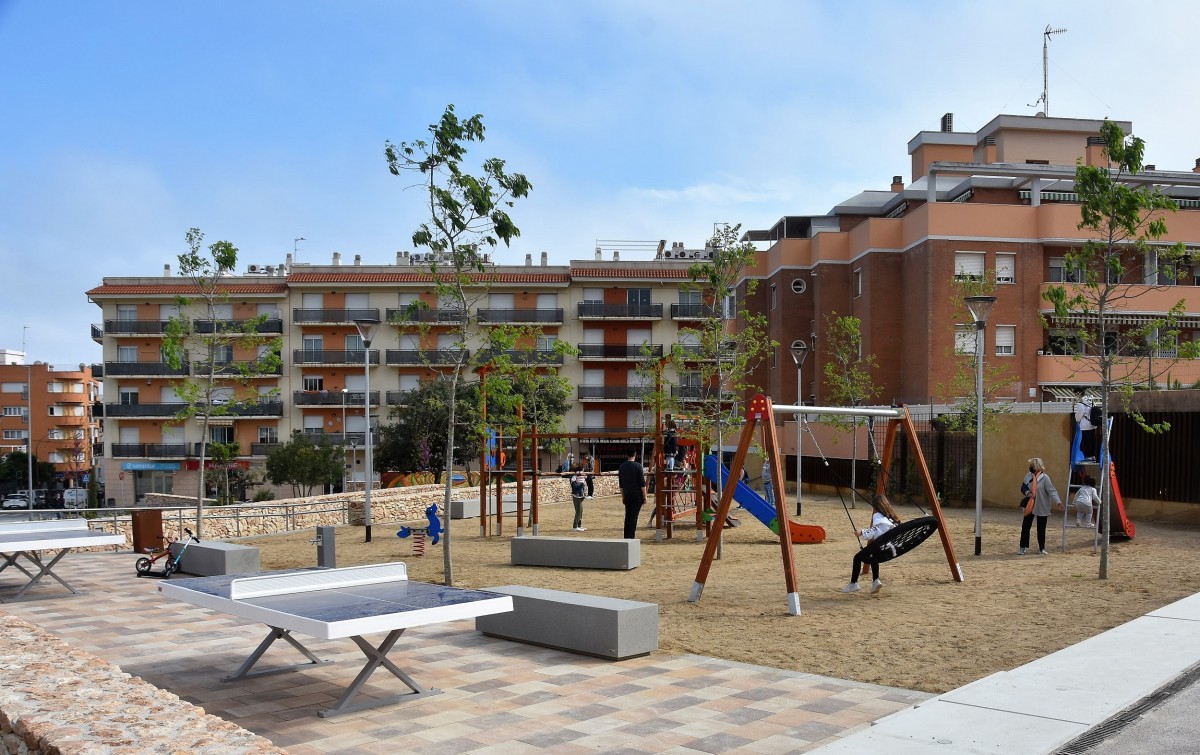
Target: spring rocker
[896,542]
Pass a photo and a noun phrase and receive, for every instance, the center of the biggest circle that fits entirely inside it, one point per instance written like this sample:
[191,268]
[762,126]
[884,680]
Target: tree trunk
[448,464]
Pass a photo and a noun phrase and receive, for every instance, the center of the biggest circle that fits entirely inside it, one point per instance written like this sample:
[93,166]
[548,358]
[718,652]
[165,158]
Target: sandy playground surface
[923,631]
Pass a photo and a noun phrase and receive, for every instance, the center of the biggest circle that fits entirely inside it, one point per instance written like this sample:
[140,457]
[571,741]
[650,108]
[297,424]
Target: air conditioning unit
[255,269]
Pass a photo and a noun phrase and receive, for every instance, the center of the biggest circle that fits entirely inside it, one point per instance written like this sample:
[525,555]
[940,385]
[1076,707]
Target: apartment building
[607,307]
[49,409]
[1000,198]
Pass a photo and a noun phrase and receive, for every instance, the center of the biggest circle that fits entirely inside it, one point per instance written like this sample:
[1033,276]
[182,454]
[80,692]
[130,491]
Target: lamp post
[366,330]
[799,351]
[345,437]
[980,307]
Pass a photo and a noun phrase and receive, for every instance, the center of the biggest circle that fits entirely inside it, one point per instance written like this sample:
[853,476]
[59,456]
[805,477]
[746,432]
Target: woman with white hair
[1040,494]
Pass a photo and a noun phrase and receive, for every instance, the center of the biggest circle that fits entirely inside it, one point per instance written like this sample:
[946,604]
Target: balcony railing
[254,409]
[694,311]
[262,449]
[330,316]
[326,356]
[427,356]
[524,356]
[619,351]
[97,333]
[272,325]
[166,450]
[135,327]
[398,398]
[593,310]
[128,450]
[248,368]
[700,393]
[521,316]
[97,371]
[348,440]
[143,410]
[332,398]
[144,369]
[613,393]
[588,430]
[422,315]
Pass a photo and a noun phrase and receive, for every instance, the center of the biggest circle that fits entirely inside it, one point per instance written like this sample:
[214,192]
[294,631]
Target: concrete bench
[211,557]
[577,552]
[586,624]
[468,508]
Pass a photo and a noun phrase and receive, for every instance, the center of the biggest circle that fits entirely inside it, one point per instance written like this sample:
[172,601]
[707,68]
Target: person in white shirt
[1087,430]
[1085,498]
[883,518]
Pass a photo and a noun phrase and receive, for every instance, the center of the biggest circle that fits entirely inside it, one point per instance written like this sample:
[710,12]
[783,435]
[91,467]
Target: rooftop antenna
[296,243]
[1044,100]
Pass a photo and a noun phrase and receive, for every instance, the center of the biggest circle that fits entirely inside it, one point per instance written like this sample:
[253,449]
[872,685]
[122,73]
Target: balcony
[398,398]
[548,357]
[128,450]
[428,316]
[97,371]
[332,398]
[349,440]
[262,449]
[97,333]
[133,328]
[253,409]
[697,393]
[149,450]
[272,325]
[417,357]
[240,368]
[694,312]
[520,316]
[144,411]
[330,357]
[144,369]
[333,316]
[598,310]
[613,393]
[1054,369]
[619,352]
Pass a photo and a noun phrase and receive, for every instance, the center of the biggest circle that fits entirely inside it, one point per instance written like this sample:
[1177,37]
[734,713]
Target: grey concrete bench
[211,557]
[468,508]
[586,624]
[576,552]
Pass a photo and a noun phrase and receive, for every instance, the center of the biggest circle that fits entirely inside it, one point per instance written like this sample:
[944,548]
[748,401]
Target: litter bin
[147,529]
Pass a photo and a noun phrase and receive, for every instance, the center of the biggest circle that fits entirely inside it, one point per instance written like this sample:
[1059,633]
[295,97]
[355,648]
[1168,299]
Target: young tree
[422,424]
[468,217]
[848,375]
[203,346]
[305,464]
[1123,261]
[959,392]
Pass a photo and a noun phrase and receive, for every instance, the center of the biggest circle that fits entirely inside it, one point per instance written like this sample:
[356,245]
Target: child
[578,493]
[1084,499]
[883,518]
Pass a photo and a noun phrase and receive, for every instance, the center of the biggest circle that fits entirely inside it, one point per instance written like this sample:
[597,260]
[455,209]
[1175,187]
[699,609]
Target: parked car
[15,501]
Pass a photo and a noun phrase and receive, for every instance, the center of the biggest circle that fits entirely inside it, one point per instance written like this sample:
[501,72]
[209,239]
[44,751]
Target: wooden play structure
[760,417]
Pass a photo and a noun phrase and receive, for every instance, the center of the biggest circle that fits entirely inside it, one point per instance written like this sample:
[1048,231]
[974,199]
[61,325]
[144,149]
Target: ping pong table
[25,539]
[335,604]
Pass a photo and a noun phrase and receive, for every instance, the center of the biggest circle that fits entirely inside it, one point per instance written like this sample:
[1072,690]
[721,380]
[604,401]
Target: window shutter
[1006,268]
[968,264]
[1006,339]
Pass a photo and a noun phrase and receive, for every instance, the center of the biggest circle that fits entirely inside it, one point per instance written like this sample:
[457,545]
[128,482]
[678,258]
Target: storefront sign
[148,466]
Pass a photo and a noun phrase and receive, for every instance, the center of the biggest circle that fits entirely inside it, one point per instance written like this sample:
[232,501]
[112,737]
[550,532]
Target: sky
[124,124]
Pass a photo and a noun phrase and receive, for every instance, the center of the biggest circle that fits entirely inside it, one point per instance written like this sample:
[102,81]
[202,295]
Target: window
[858,283]
[314,344]
[501,301]
[799,285]
[268,434]
[774,297]
[221,434]
[691,297]
[314,383]
[64,411]
[639,301]
[127,395]
[593,294]
[222,353]
[16,411]
[1006,268]
[731,306]
[1006,339]
[1061,272]
[774,354]
[546,343]
[127,354]
[12,388]
[127,312]
[314,424]
[969,265]
[964,339]
[16,434]
[354,342]
[56,434]
[57,457]
[270,311]
[55,388]
[357,301]
[1065,342]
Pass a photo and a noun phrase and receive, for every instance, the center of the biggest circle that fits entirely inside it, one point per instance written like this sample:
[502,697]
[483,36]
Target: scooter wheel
[168,570]
[142,566]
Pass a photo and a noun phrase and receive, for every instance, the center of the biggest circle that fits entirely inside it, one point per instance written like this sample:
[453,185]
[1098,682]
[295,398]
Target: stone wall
[57,699]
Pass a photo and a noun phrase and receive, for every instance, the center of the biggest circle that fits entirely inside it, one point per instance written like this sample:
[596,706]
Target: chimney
[948,123]
[1149,167]
[400,258]
[358,259]
[166,271]
[598,256]
[337,258]
[282,269]
[897,184]
[1197,168]
[288,264]
[616,256]
[528,260]
[545,259]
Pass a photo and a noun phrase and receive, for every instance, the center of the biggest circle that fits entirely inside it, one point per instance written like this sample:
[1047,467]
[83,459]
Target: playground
[923,631]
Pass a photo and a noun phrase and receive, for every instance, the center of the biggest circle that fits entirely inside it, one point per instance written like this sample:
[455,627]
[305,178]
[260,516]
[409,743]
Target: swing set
[760,415]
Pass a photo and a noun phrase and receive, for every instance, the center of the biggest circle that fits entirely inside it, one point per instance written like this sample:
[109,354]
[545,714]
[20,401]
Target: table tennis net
[244,588]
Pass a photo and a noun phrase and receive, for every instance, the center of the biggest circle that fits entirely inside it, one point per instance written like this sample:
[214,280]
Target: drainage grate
[1087,741]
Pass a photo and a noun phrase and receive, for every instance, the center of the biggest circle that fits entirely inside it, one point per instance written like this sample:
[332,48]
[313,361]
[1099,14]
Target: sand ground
[923,631]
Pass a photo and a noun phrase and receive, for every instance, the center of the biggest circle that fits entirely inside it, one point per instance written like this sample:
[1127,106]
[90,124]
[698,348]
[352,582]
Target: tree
[305,464]
[204,347]
[407,444]
[848,375]
[1122,262]
[14,469]
[468,217]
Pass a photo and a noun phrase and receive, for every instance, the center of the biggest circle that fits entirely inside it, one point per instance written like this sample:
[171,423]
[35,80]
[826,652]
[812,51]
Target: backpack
[1095,415]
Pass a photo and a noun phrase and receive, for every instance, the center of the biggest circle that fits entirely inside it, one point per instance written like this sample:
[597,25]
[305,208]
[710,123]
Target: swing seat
[899,540]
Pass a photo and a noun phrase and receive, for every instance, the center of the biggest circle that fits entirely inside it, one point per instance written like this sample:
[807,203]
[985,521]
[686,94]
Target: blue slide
[758,507]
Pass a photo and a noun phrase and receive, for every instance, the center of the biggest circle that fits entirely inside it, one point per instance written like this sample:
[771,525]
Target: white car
[15,501]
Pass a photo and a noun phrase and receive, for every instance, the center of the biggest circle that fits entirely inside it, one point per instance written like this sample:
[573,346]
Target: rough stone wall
[57,699]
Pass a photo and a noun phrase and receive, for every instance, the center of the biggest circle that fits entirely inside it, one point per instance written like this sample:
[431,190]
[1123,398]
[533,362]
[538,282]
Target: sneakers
[1042,553]
[876,586]
[589,498]
[579,529]
[1020,551]
[851,587]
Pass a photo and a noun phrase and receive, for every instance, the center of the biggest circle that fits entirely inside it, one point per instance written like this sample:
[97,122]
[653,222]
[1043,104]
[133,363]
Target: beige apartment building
[48,410]
[606,307]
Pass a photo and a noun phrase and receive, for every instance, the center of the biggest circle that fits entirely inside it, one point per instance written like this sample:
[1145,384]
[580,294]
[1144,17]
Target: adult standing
[631,478]
[1040,495]
[1087,429]
[589,470]
[670,443]
[768,486]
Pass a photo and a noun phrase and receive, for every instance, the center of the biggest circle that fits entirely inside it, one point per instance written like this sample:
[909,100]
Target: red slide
[1122,525]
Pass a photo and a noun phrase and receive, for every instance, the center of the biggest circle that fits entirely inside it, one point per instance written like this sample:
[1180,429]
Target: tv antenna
[1044,100]
[295,247]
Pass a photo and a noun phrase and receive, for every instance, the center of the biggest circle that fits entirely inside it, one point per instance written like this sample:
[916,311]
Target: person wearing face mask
[1040,495]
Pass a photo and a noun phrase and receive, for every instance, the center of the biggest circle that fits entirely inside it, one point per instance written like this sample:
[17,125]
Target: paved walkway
[498,696]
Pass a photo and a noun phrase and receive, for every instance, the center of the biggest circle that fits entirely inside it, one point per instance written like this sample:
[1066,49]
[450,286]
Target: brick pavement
[498,696]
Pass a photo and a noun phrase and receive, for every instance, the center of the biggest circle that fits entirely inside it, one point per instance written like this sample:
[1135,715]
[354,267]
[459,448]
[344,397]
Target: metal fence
[1158,466]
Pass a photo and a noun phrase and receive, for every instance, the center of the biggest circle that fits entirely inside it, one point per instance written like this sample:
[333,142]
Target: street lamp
[345,437]
[366,330]
[799,351]
[980,307]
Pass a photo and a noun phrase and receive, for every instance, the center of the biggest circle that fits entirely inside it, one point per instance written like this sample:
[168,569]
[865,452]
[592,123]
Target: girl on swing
[883,518]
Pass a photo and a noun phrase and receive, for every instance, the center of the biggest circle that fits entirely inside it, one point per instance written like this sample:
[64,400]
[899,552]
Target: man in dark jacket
[631,478]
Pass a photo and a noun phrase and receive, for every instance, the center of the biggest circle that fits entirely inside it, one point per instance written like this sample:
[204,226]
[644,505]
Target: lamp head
[799,352]
[980,307]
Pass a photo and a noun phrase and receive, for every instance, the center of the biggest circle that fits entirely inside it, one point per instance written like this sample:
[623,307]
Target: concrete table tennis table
[334,604]
[26,539]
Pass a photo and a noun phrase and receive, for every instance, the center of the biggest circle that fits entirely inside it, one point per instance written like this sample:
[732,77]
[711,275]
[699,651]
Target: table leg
[376,657]
[44,570]
[276,633]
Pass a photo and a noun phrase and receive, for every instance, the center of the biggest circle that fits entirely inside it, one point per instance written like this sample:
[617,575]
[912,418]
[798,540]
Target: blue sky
[126,123]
